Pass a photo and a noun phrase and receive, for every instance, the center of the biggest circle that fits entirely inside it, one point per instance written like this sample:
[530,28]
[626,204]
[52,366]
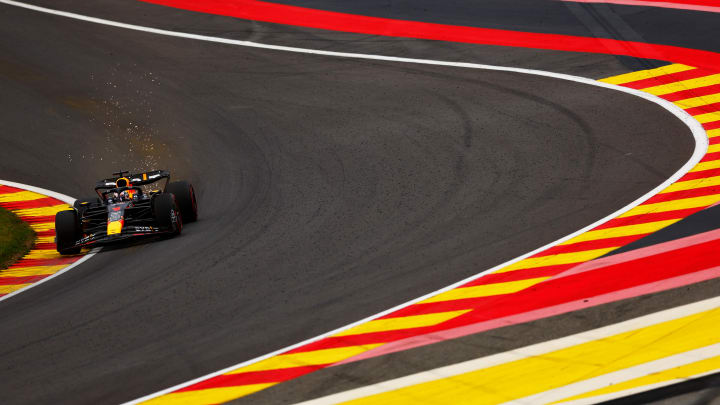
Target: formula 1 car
[127,206]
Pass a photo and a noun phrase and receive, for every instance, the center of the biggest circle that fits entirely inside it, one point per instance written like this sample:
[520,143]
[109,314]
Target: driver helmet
[126,194]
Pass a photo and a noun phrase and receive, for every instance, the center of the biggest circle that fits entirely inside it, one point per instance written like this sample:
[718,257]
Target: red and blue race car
[127,206]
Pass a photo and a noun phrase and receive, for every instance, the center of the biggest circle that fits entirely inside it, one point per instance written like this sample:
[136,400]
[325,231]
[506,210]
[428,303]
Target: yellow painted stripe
[317,357]
[712,164]
[20,196]
[646,74]
[562,258]
[485,290]
[43,226]
[673,205]
[698,101]
[714,148]
[31,271]
[42,254]
[713,133]
[709,117]
[683,372]
[41,212]
[45,239]
[207,396]
[405,322]
[683,85]
[7,289]
[620,231]
[536,374]
[692,184]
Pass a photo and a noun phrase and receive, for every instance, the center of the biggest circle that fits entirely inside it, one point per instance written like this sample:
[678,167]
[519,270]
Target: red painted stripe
[327,20]
[447,306]
[692,93]
[516,275]
[678,195]
[364,339]
[253,377]
[646,218]
[668,78]
[711,125]
[44,262]
[704,109]
[7,189]
[715,140]
[522,272]
[21,280]
[590,245]
[711,156]
[701,175]
[38,220]
[39,203]
[51,232]
[44,246]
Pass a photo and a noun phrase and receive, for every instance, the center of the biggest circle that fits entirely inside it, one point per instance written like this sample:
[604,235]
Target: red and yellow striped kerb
[695,90]
[38,210]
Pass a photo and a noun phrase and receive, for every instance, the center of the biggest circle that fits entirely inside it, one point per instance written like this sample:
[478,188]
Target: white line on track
[701,144]
[61,197]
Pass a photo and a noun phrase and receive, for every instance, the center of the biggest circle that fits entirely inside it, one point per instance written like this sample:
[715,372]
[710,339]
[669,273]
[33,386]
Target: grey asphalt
[329,190]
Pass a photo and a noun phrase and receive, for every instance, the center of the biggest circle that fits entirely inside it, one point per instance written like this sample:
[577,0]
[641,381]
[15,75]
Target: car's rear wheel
[166,213]
[67,232]
[185,199]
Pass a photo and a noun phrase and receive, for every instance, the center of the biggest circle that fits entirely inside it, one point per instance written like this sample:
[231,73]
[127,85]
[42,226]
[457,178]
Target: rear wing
[139,179]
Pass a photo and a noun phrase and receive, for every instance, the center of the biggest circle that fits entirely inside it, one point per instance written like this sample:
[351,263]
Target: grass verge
[16,238]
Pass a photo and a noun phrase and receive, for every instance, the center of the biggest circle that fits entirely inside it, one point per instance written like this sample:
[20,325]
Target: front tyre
[185,199]
[167,214]
[67,232]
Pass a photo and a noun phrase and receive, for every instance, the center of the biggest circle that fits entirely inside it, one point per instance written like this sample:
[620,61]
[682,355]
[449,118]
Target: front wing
[129,231]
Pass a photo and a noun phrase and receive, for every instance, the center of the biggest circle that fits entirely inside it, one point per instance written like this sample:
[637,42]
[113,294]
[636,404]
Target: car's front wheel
[67,232]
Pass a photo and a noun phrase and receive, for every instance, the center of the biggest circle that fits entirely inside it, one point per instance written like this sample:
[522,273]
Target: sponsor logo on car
[86,239]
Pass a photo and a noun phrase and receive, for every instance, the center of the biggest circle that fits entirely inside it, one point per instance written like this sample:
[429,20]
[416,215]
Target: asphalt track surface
[328,189]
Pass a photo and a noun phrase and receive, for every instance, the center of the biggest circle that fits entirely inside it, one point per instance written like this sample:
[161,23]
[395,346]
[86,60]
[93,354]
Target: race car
[127,206]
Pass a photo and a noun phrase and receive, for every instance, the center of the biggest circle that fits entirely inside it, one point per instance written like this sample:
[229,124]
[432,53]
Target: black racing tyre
[166,212]
[185,199]
[67,232]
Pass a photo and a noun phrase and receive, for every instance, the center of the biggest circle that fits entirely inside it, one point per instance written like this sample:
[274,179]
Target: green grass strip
[16,238]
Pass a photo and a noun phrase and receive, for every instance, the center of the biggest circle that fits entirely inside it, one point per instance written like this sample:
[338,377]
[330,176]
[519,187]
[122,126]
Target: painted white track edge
[701,145]
[61,197]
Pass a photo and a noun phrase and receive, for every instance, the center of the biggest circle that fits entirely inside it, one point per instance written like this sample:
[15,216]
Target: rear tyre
[185,199]
[166,213]
[67,232]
